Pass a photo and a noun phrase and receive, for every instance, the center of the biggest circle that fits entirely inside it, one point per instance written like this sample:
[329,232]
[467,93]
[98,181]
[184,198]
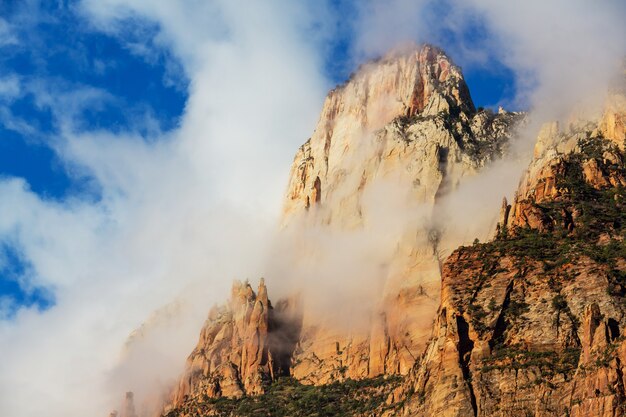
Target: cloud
[564,53]
[11,122]
[373,22]
[9,87]
[66,101]
[10,90]
[180,214]
[7,37]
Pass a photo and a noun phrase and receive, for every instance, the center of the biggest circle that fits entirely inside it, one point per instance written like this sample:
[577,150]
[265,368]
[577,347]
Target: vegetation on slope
[286,397]
[534,329]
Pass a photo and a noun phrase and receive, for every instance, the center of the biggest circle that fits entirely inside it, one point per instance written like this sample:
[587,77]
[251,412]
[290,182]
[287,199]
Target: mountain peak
[405,82]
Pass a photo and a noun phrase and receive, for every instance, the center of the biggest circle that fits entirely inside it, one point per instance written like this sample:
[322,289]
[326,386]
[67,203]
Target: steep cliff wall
[407,121]
[533,322]
[232,357]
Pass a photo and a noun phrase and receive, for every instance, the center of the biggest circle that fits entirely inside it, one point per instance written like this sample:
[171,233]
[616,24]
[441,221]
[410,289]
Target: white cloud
[7,37]
[181,214]
[382,25]
[562,52]
[11,122]
[9,87]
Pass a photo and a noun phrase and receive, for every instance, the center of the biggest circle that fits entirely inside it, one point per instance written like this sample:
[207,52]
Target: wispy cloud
[562,52]
[181,212]
[7,37]
[9,87]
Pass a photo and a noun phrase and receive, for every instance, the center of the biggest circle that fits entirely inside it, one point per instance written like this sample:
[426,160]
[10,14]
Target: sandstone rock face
[539,184]
[422,93]
[613,122]
[233,356]
[406,120]
[533,322]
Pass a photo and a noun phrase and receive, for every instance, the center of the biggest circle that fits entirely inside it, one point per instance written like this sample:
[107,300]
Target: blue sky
[62,52]
[490,81]
[56,51]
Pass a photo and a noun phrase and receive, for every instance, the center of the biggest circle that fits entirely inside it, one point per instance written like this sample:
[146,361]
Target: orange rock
[390,122]
[232,357]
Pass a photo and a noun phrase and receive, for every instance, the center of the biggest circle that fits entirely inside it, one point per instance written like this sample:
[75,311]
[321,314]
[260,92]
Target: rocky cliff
[532,323]
[529,323]
[407,121]
[232,357]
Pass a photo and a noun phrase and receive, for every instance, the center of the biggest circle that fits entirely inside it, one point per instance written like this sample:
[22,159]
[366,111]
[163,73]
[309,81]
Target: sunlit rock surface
[402,132]
[533,322]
